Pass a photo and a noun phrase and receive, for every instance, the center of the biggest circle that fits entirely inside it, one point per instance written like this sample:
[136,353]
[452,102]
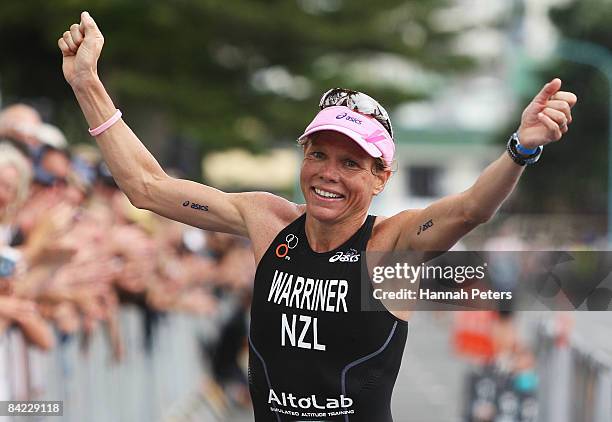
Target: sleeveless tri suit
[314,355]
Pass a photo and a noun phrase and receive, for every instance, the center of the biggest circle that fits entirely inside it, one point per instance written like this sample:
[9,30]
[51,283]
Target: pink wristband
[106,124]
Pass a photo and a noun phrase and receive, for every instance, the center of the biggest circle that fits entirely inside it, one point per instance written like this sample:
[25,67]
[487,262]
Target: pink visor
[365,130]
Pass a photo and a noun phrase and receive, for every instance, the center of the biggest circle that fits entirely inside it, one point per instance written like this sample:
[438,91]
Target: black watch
[518,157]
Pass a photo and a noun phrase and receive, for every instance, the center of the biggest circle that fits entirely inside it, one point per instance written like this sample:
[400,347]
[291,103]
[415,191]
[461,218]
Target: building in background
[445,142]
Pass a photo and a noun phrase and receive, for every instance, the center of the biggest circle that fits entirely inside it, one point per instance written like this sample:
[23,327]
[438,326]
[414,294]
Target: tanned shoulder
[265,215]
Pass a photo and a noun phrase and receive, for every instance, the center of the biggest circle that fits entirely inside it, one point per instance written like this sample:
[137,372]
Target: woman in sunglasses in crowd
[314,354]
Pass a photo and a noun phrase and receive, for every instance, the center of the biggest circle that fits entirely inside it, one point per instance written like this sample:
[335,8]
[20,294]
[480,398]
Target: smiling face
[337,178]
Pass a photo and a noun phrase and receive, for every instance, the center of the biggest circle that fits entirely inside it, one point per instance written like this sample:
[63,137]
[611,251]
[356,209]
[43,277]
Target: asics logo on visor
[349,118]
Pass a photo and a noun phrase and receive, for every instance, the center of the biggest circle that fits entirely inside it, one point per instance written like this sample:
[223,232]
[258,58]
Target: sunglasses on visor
[359,102]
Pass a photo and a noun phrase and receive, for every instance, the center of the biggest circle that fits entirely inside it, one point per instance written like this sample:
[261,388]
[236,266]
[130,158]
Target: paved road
[429,386]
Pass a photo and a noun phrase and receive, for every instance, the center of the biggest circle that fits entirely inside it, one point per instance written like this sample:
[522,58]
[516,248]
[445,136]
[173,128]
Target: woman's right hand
[81,47]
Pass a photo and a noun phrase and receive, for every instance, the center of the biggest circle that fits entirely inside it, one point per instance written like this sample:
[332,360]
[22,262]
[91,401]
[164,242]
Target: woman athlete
[314,355]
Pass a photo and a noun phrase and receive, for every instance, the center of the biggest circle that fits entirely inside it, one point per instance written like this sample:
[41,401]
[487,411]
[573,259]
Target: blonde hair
[379,163]
[11,156]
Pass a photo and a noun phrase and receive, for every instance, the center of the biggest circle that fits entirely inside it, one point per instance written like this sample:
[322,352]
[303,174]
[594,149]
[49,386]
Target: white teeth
[326,194]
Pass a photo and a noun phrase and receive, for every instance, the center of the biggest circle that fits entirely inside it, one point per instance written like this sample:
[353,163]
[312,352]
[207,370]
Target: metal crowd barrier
[143,387]
[575,380]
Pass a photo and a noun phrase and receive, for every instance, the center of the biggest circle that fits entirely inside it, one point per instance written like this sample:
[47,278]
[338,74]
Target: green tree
[571,177]
[225,72]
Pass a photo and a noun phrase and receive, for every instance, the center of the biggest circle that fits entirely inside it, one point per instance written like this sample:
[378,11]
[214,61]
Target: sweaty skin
[336,175]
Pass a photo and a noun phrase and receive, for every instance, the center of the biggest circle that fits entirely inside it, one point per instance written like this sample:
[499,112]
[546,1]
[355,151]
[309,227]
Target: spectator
[19,123]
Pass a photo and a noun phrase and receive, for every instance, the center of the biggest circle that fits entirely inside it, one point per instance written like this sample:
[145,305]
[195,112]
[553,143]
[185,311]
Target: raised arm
[135,170]
[439,226]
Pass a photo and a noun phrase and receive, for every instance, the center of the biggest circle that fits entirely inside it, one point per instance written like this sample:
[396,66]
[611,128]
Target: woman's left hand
[547,117]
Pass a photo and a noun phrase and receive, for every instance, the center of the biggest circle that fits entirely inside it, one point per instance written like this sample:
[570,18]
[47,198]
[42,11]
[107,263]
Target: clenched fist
[548,116]
[81,47]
